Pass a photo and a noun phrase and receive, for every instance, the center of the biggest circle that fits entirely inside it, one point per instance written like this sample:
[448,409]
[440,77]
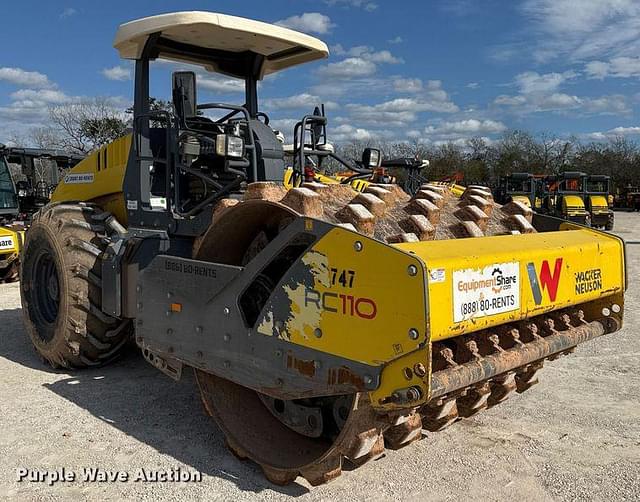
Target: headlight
[374,160]
[229,146]
[371,158]
[22,193]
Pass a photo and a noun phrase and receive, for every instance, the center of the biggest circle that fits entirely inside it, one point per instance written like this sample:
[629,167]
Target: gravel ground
[575,436]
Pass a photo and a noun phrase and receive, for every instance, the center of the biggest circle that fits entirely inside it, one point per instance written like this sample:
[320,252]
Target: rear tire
[61,288]
[9,273]
[609,225]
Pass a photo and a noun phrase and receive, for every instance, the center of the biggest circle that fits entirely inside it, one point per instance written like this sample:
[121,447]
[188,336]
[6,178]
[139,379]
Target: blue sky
[432,71]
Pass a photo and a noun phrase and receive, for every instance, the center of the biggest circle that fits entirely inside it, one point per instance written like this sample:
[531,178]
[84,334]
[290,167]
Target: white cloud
[614,133]
[532,82]
[39,97]
[348,68]
[557,101]
[382,57]
[298,101]
[561,102]
[120,73]
[68,12]
[468,127]
[368,54]
[25,78]
[619,67]
[309,22]
[346,132]
[216,83]
[615,104]
[395,40]
[542,93]
[407,85]
[504,100]
[472,85]
[361,61]
[399,112]
[367,5]
[578,29]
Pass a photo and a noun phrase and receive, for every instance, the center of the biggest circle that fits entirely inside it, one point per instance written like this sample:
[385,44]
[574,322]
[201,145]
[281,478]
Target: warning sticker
[6,242]
[487,291]
[75,178]
[437,275]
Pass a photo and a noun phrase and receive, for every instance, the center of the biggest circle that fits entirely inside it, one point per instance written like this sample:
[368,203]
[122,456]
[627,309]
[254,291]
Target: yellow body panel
[10,240]
[364,302]
[10,245]
[522,199]
[359,185]
[569,269]
[572,205]
[99,175]
[457,190]
[364,305]
[598,204]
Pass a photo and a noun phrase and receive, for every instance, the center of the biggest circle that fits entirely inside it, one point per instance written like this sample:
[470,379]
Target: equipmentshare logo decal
[6,242]
[491,290]
[548,281]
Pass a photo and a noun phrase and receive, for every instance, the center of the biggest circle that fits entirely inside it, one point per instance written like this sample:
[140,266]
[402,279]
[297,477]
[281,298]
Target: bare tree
[43,137]
[86,125]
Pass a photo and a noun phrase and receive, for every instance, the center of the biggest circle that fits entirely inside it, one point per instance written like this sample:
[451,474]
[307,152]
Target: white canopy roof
[281,47]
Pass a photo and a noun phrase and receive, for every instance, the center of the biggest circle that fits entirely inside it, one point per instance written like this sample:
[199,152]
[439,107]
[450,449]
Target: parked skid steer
[324,324]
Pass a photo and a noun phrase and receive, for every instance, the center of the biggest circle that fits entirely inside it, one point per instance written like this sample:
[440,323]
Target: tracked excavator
[323,324]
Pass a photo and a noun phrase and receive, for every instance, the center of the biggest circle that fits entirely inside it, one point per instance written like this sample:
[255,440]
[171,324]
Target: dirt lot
[575,436]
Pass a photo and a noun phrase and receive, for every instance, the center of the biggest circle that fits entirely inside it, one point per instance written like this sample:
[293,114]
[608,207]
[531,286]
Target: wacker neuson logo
[546,281]
[587,281]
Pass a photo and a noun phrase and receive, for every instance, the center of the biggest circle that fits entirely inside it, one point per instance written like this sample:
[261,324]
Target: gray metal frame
[218,340]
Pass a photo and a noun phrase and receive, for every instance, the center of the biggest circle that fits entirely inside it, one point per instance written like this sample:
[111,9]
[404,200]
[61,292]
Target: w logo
[546,280]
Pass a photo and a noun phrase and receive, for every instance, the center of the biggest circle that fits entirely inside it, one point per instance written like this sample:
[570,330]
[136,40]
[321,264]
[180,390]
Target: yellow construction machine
[324,324]
[11,232]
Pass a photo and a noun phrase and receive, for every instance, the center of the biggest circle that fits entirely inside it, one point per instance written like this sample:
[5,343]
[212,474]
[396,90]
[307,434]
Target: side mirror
[184,94]
[317,128]
[371,158]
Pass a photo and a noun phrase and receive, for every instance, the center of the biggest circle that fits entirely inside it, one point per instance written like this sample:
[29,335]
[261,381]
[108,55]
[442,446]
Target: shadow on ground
[147,405]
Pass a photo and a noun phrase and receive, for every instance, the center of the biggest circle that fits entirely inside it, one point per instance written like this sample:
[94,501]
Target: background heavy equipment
[36,173]
[28,176]
[11,232]
[313,158]
[627,198]
[563,197]
[597,190]
[324,324]
[522,187]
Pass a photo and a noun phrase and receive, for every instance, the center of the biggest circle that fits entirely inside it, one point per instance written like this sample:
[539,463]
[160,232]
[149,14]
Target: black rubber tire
[61,290]
[610,222]
[10,273]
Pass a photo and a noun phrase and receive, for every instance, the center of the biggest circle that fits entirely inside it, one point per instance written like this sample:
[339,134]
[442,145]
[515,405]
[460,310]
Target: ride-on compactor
[521,187]
[563,197]
[323,324]
[597,190]
[11,233]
